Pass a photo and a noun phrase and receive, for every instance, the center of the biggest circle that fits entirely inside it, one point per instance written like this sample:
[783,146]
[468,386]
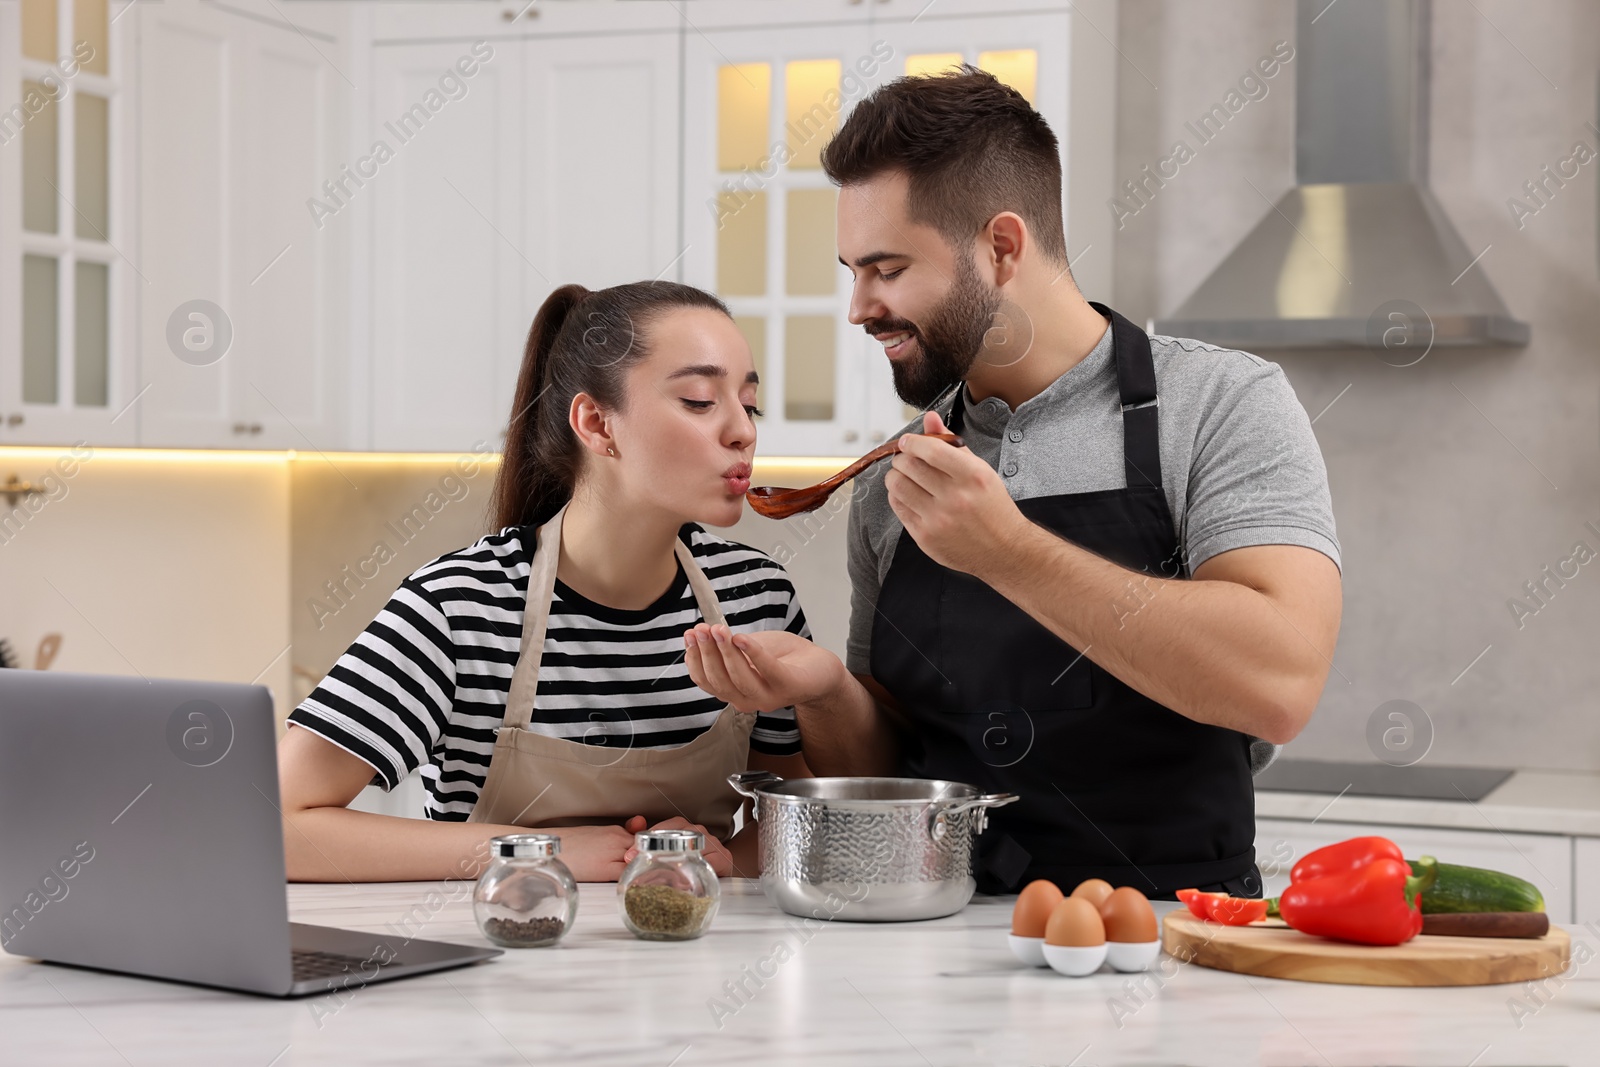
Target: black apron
[1113,785]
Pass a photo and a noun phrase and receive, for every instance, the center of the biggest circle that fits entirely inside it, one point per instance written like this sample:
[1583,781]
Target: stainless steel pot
[867,849]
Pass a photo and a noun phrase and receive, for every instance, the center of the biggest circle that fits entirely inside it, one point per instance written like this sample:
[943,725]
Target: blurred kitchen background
[266,269]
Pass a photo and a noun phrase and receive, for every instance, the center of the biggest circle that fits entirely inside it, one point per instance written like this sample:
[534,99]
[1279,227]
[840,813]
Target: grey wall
[1454,481]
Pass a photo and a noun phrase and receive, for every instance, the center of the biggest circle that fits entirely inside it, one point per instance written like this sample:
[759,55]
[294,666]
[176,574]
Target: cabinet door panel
[447,255]
[188,119]
[600,166]
[291,283]
[1586,880]
[434,20]
[239,125]
[1029,52]
[758,105]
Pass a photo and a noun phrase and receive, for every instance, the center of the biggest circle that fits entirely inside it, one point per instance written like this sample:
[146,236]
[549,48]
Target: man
[1127,576]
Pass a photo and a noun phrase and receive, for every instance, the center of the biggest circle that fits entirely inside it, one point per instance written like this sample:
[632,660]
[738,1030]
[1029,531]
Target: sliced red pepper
[1199,903]
[1374,904]
[1344,856]
[1238,911]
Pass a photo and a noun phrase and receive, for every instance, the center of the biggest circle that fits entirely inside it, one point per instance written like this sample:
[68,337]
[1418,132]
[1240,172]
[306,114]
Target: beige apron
[535,780]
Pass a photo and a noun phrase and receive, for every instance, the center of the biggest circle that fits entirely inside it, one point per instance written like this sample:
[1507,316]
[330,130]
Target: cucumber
[1468,889]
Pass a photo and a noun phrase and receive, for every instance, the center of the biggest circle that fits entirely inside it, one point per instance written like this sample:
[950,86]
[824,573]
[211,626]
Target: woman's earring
[611,450]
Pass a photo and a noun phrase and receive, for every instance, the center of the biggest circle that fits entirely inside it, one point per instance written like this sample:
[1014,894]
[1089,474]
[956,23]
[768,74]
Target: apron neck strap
[536,613]
[1136,388]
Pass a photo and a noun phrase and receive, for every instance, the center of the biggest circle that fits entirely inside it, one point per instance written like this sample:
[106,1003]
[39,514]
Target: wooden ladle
[776,502]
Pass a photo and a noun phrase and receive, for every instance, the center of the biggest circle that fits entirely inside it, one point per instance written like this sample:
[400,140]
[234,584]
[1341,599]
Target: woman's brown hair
[581,341]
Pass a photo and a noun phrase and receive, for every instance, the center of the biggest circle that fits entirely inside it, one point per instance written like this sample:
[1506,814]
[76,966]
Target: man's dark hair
[971,148]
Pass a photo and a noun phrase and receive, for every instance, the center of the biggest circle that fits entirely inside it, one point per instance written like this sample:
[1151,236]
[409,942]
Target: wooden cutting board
[1272,950]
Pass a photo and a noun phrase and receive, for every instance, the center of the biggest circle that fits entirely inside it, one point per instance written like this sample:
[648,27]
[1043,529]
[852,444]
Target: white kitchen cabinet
[1586,880]
[600,166]
[241,119]
[558,165]
[1546,860]
[67,216]
[759,215]
[710,15]
[1031,54]
[759,230]
[448,255]
[438,20]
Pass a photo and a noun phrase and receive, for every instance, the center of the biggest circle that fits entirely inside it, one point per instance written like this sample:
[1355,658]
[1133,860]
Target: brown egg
[1034,905]
[1076,924]
[1128,916]
[1095,891]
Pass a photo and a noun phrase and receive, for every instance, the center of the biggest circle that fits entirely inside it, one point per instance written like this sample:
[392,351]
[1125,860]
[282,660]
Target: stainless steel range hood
[1360,244]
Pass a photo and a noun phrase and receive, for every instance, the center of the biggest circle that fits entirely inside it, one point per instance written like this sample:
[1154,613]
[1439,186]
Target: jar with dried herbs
[668,892]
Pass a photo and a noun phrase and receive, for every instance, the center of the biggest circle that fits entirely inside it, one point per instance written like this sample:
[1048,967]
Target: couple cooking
[1114,598]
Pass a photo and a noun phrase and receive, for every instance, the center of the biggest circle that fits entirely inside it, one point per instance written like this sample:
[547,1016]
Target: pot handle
[939,820]
[746,783]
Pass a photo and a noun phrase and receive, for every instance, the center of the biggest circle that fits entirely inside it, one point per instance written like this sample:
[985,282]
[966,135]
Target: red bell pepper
[1220,907]
[1343,856]
[1378,903]
[1198,902]
[1238,911]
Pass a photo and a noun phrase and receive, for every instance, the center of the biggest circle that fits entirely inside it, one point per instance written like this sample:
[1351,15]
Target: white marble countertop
[1537,802]
[941,992]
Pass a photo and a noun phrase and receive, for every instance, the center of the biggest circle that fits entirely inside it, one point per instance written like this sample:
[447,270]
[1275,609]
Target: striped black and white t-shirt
[425,685]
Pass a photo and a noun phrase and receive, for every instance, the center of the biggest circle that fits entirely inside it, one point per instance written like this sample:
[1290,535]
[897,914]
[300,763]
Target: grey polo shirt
[1239,463]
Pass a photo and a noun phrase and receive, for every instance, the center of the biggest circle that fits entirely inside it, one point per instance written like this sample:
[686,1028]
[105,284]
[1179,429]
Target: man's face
[912,292]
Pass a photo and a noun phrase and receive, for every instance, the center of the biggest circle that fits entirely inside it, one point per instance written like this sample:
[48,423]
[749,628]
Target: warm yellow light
[811,117]
[224,456]
[1018,68]
[47,454]
[921,66]
[744,108]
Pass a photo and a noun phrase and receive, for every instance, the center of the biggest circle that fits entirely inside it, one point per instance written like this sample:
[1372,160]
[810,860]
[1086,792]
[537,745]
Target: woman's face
[686,436]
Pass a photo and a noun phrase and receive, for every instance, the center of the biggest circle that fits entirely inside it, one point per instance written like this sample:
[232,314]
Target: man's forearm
[1216,651]
[845,733]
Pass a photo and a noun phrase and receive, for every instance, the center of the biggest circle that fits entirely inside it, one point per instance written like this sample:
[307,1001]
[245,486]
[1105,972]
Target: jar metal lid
[669,841]
[524,846]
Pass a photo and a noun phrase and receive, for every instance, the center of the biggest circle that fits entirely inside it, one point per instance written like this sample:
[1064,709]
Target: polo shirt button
[1011,468]
[1015,435]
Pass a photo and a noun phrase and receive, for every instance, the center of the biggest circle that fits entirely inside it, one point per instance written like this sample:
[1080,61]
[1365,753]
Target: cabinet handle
[878,436]
[511,16]
[255,427]
[14,420]
[850,435]
[240,427]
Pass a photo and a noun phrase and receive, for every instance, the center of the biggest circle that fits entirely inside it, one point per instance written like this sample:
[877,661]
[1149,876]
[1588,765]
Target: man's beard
[950,341]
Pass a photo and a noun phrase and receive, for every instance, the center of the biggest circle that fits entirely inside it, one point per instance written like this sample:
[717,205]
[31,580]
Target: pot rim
[766,786]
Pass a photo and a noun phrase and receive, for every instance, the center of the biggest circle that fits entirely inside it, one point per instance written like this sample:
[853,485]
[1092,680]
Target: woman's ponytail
[571,350]
[523,489]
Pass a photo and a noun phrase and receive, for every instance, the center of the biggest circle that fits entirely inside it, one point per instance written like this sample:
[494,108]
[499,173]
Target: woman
[538,677]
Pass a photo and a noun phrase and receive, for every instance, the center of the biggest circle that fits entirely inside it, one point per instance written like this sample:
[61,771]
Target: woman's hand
[715,852]
[596,853]
[762,671]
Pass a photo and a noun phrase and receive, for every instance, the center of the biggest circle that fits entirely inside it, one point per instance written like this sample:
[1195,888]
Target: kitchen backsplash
[242,567]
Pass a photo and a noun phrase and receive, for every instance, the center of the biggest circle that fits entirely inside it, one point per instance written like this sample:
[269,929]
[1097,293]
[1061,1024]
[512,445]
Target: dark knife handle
[1488,924]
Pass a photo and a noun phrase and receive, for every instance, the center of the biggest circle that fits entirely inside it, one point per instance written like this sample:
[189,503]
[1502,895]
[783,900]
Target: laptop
[140,832]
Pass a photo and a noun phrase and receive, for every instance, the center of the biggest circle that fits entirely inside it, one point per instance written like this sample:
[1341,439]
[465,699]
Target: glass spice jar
[526,897]
[668,892]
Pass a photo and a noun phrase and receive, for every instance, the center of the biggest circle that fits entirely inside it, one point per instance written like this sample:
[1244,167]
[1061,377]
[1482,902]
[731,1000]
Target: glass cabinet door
[1027,52]
[759,212]
[64,374]
[759,218]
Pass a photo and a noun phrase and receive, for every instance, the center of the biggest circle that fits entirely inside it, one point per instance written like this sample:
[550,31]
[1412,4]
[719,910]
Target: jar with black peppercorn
[668,891]
[526,897]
